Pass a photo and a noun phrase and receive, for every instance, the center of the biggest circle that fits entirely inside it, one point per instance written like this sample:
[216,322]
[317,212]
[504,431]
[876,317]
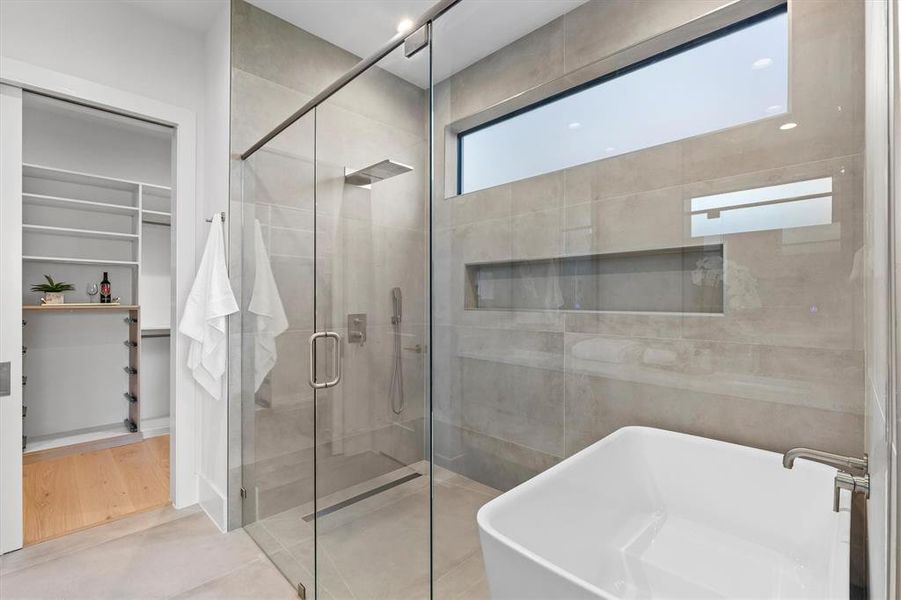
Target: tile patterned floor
[376,548]
[163,553]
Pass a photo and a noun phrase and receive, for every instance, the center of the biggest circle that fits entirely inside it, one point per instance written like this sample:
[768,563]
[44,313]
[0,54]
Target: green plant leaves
[52,286]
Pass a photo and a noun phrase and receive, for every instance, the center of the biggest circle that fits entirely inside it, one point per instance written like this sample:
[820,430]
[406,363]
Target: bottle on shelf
[105,289]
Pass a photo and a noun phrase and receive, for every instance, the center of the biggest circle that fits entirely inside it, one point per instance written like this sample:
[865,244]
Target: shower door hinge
[416,41]
[301,591]
[243,494]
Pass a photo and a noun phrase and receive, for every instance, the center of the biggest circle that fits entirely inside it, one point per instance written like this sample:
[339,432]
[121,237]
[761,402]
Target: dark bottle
[105,297]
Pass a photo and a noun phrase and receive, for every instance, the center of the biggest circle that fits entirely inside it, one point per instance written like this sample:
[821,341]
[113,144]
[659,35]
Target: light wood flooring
[65,494]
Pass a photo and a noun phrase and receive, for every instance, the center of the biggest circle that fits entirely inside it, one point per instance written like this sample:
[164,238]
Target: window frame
[781,7]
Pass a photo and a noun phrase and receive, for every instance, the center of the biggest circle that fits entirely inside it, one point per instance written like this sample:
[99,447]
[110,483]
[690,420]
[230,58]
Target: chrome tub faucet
[847,466]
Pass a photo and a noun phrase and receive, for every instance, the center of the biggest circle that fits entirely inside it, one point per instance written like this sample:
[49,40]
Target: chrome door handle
[316,385]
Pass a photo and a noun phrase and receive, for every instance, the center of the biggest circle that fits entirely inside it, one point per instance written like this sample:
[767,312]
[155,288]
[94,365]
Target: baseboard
[213,502]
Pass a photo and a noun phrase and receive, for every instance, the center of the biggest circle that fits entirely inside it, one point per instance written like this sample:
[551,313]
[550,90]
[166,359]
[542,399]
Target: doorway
[96,232]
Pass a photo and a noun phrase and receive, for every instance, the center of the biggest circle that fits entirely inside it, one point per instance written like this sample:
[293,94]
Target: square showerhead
[375,173]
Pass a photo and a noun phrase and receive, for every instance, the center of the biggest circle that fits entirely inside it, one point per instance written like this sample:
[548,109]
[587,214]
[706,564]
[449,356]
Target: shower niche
[674,280]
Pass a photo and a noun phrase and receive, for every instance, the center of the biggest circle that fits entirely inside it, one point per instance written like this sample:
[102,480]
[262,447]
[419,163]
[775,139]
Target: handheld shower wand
[397,303]
[396,391]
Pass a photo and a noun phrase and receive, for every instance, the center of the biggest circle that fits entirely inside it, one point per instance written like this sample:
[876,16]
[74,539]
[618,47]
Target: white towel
[211,300]
[266,305]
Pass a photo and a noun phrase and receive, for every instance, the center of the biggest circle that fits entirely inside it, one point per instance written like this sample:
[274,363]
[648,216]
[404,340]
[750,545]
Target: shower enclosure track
[430,15]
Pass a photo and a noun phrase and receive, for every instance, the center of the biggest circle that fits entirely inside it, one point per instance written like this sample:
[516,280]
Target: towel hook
[221,216]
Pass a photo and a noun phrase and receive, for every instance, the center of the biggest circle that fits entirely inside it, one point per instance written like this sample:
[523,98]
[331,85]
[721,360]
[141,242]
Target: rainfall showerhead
[375,173]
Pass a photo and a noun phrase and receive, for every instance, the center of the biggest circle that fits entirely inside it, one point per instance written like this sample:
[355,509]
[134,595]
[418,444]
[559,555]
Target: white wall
[213,462]
[113,43]
[124,47]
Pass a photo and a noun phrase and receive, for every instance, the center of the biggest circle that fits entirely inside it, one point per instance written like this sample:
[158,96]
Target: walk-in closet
[96,304]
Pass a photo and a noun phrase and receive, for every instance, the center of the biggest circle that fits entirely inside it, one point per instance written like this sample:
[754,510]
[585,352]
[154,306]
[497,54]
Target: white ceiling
[196,15]
[472,29]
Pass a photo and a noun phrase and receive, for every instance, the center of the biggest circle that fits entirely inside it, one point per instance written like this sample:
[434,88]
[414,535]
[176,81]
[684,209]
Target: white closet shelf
[84,233]
[157,190]
[79,307]
[65,443]
[67,176]
[151,329]
[80,261]
[72,203]
[156,217]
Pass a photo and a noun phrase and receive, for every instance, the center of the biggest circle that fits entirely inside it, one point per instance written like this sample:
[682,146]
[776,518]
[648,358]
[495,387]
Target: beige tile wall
[783,366]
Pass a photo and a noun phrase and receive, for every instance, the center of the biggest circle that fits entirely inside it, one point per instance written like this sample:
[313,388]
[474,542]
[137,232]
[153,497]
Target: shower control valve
[356,328]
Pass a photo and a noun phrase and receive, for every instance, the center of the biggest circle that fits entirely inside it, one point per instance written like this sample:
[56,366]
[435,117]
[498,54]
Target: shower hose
[396,391]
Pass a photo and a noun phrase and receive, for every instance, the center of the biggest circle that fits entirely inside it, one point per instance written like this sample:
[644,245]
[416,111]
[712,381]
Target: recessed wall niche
[682,280]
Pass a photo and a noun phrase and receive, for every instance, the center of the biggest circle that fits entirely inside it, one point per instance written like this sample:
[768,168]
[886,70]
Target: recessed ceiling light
[609,149]
[761,63]
[772,110]
[404,26]
[574,125]
[787,126]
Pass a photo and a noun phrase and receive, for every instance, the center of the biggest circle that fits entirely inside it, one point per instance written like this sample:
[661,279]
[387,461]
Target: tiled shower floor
[378,547]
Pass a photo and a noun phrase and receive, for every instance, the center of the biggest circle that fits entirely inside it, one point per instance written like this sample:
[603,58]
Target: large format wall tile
[489,460]
[626,174]
[624,23]
[532,60]
[280,52]
[258,105]
[537,234]
[781,366]
[596,407]
[643,221]
[520,404]
[817,378]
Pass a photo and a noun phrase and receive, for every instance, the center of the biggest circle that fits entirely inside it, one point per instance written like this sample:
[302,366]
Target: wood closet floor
[65,494]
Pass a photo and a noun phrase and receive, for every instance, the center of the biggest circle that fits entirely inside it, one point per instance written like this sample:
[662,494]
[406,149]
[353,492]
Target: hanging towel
[266,305]
[211,300]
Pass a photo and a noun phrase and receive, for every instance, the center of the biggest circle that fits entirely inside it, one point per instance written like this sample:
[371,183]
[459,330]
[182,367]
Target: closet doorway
[97,216]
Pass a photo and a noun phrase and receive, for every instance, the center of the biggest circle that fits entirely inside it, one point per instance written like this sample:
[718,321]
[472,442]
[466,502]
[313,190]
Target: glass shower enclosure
[504,239]
[335,440]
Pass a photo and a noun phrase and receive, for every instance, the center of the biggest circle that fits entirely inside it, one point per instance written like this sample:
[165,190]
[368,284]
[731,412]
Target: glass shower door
[276,281]
[372,493]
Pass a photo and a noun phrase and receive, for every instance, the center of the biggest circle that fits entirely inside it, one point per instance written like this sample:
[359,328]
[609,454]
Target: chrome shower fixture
[397,305]
[396,389]
[380,171]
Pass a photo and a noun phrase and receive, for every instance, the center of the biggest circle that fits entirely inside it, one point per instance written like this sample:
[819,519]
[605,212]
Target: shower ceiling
[363,26]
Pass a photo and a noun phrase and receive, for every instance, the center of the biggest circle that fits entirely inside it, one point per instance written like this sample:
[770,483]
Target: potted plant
[53,290]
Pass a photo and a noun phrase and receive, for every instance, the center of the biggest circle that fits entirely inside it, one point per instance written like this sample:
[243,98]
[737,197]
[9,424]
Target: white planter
[54,298]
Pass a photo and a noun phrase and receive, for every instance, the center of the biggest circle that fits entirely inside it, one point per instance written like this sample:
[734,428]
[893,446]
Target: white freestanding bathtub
[647,513]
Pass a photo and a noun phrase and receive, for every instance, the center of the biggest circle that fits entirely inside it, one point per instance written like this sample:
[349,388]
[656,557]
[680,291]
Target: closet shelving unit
[76,218]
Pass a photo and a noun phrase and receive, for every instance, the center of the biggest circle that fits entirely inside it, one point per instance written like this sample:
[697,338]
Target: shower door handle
[317,385]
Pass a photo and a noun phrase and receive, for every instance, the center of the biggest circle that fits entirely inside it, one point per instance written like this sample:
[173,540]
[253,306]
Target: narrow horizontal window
[735,76]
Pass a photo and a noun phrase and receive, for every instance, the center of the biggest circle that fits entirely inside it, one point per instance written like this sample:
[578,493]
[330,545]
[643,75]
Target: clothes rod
[221,216]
